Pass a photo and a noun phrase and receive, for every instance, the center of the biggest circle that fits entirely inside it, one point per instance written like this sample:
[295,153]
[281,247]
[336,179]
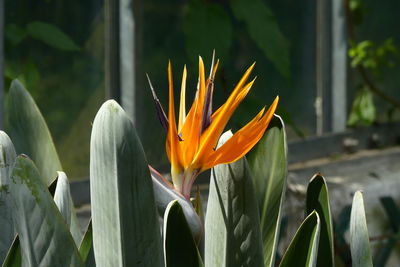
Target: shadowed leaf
[30,134]
[268,165]
[303,248]
[13,258]
[318,200]
[179,246]
[232,225]
[86,247]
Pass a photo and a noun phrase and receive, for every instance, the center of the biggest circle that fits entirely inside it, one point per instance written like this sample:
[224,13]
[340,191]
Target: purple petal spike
[160,111]
[207,108]
[212,65]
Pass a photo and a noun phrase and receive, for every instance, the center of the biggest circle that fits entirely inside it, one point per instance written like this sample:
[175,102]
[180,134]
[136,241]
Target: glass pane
[56,49]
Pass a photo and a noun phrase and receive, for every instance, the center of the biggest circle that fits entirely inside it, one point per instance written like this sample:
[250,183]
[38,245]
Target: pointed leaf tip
[162,117]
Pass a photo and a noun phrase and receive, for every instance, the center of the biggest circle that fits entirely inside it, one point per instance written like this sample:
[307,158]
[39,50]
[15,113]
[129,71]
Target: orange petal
[182,105]
[237,88]
[191,129]
[172,137]
[211,135]
[189,118]
[215,70]
[243,140]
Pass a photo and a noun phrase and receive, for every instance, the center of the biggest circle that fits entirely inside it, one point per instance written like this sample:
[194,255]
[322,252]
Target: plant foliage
[131,204]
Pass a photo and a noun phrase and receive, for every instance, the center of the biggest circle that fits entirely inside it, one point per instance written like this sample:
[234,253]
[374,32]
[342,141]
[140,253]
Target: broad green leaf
[207,26]
[363,110]
[13,258]
[86,247]
[124,218]
[51,35]
[303,248]
[318,200]
[7,158]
[30,134]
[359,238]
[179,246]
[63,200]
[264,30]
[14,34]
[44,236]
[268,165]
[164,193]
[232,225]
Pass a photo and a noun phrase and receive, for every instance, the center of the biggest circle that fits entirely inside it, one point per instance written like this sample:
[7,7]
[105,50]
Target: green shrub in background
[242,220]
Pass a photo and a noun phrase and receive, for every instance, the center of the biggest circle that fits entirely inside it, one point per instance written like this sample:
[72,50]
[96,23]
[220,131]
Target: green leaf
[179,245]
[63,200]
[30,134]
[232,226]
[125,223]
[303,249]
[206,26]
[363,109]
[359,238]
[264,30]
[14,34]
[44,237]
[13,258]
[86,247]
[318,200]
[7,159]
[268,165]
[51,35]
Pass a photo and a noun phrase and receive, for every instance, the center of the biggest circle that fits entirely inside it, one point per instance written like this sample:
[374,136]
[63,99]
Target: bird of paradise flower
[191,147]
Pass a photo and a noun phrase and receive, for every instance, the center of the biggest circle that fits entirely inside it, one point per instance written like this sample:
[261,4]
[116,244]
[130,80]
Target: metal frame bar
[112,51]
[121,55]
[127,57]
[331,73]
[323,67]
[339,67]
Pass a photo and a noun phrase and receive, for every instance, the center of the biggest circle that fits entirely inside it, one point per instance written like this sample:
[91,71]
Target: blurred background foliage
[374,60]
[56,48]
